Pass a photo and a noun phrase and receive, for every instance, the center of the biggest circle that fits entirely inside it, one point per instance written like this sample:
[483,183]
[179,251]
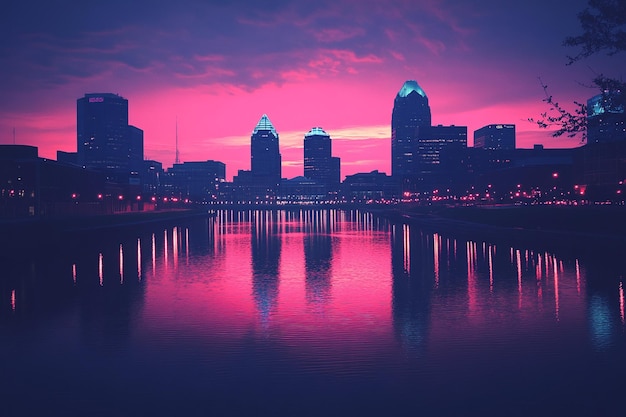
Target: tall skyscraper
[319,164]
[495,137]
[410,113]
[102,132]
[265,154]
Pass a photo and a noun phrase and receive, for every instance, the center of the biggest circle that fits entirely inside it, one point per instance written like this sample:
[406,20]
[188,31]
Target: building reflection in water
[318,255]
[427,289]
[413,275]
[266,248]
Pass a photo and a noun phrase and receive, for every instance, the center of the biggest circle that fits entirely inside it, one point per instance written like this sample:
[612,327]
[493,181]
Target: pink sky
[338,65]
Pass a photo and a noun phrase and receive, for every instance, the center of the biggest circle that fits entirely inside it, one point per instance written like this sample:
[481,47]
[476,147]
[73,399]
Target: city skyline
[218,68]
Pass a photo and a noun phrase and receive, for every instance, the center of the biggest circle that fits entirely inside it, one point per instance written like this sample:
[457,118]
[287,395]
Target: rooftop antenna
[177,159]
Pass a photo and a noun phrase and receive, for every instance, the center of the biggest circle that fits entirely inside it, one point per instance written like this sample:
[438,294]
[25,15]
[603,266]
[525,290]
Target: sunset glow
[216,68]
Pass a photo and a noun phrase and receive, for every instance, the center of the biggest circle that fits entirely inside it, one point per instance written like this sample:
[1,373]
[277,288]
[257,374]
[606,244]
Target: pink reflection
[74,273]
[100,275]
[407,247]
[187,245]
[153,255]
[13,300]
[472,291]
[490,269]
[556,290]
[175,246]
[121,265]
[436,250]
[577,276]
[518,261]
[139,259]
[165,247]
[621,300]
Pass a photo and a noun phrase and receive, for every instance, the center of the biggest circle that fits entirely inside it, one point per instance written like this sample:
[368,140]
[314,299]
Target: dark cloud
[47,45]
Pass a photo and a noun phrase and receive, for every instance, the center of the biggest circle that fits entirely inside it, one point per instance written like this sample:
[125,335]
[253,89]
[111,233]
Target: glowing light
[121,265]
[139,259]
[436,248]
[100,275]
[621,301]
[74,273]
[556,289]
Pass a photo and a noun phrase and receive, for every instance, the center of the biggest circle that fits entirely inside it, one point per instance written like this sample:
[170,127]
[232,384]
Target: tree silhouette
[604,30]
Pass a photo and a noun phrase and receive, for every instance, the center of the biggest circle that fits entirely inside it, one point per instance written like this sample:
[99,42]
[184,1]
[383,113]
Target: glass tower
[410,113]
[319,165]
[102,133]
[265,155]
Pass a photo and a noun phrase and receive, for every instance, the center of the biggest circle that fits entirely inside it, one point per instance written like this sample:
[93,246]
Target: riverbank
[589,227]
[32,234]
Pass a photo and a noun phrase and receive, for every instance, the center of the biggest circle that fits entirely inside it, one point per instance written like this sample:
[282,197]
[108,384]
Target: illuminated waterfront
[309,312]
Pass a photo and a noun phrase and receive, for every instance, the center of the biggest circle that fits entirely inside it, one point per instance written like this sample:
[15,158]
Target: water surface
[311,312]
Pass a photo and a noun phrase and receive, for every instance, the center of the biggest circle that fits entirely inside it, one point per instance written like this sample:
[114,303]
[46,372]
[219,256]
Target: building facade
[495,137]
[410,113]
[265,158]
[319,164]
[606,118]
[195,181]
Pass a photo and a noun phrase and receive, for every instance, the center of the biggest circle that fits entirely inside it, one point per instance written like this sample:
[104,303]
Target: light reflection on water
[341,303]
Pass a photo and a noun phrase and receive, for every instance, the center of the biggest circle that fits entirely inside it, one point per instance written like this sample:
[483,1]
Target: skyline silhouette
[217,68]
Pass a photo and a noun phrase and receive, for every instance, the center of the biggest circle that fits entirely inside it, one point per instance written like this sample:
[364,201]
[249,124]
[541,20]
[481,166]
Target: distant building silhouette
[365,186]
[410,112]
[151,177]
[31,186]
[496,136]
[319,164]
[197,181]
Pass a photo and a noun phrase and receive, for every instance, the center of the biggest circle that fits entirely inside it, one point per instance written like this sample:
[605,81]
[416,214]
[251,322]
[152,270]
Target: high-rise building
[606,117]
[319,164]
[493,137]
[102,133]
[265,154]
[410,113]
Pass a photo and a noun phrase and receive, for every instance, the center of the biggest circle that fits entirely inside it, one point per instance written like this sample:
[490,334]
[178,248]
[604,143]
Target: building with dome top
[319,164]
[422,155]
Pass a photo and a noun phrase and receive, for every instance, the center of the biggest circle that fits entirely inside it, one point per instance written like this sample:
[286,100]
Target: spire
[265,124]
[177,159]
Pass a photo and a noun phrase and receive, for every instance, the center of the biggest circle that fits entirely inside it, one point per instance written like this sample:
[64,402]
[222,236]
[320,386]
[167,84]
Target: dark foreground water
[309,313]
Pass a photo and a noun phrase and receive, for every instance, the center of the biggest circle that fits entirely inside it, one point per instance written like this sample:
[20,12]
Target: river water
[309,313]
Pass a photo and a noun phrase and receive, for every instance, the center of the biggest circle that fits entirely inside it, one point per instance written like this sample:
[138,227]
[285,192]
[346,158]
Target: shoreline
[33,234]
[589,230]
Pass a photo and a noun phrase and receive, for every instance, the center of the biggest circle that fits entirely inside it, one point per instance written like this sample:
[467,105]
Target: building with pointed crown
[265,159]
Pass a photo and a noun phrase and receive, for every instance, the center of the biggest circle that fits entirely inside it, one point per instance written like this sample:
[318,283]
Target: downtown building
[424,158]
[196,181]
[105,140]
[262,182]
[319,164]
[495,137]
